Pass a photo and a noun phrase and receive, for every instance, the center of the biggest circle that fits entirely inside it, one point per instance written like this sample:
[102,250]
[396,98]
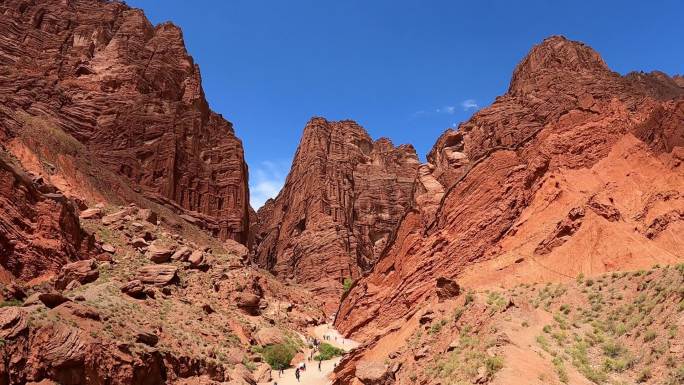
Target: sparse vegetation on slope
[618,328]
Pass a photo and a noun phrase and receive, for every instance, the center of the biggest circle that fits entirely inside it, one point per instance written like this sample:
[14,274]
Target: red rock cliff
[130,93]
[341,201]
[39,227]
[567,172]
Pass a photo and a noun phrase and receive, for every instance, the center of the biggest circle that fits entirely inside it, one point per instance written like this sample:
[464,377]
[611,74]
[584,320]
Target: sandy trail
[313,376]
[335,339]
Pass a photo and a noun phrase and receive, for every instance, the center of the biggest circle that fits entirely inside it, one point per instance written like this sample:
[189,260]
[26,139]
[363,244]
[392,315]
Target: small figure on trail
[304,366]
[319,366]
[297,374]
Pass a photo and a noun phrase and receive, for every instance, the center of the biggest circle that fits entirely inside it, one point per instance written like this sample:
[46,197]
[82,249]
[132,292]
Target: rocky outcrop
[82,272]
[39,228]
[564,230]
[341,201]
[69,356]
[159,275]
[94,79]
[493,201]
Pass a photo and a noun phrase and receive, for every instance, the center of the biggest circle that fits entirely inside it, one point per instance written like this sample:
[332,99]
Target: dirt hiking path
[313,376]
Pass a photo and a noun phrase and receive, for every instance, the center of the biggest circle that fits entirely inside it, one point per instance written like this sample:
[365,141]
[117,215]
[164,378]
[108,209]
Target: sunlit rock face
[340,204]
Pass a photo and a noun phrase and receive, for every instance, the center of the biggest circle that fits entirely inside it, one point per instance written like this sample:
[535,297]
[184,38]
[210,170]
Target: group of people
[315,348]
[330,338]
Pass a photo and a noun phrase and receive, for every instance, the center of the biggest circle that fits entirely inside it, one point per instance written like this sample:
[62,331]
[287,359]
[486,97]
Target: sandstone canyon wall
[341,201]
[99,105]
[575,169]
[104,81]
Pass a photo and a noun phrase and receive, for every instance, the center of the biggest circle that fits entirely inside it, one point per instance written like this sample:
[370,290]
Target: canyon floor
[540,242]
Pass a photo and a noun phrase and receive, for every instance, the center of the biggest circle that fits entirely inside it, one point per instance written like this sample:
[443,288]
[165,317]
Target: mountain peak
[553,55]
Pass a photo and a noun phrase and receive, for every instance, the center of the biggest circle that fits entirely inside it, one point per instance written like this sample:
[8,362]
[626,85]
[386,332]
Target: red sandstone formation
[39,227]
[341,201]
[576,169]
[131,97]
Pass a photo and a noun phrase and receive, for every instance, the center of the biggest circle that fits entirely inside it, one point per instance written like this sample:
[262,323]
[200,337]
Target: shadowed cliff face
[566,173]
[130,94]
[341,201]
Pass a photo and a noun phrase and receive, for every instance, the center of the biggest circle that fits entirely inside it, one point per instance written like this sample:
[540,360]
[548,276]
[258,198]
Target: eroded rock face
[97,78]
[342,199]
[39,229]
[496,199]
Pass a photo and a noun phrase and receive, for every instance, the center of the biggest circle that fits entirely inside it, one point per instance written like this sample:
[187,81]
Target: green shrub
[493,365]
[347,284]
[613,349]
[436,327]
[645,375]
[650,335]
[11,302]
[560,370]
[458,313]
[279,356]
[327,351]
[470,297]
[580,278]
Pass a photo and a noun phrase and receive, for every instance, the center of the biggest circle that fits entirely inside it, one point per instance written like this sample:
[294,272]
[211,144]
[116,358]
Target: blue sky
[403,69]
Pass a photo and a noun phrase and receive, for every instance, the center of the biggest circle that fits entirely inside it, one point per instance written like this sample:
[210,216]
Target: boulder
[148,215]
[134,288]
[374,373]
[159,252]
[94,213]
[13,322]
[262,373]
[181,254]
[146,337]
[159,275]
[107,247]
[242,375]
[15,291]
[139,243]
[197,259]
[110,219]
[137,226]
[447,288]
[50,299]
[73,285]
[269,336]
[235,356]
[248,302]
[235,248]
[82,271]
[82,311]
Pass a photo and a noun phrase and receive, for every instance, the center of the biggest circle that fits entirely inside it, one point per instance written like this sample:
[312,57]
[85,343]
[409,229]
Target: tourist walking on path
[297,374]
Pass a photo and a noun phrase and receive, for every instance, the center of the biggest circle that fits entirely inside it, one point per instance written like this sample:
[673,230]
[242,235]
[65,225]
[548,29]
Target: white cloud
[469,104]
[266,180]
[446,110]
